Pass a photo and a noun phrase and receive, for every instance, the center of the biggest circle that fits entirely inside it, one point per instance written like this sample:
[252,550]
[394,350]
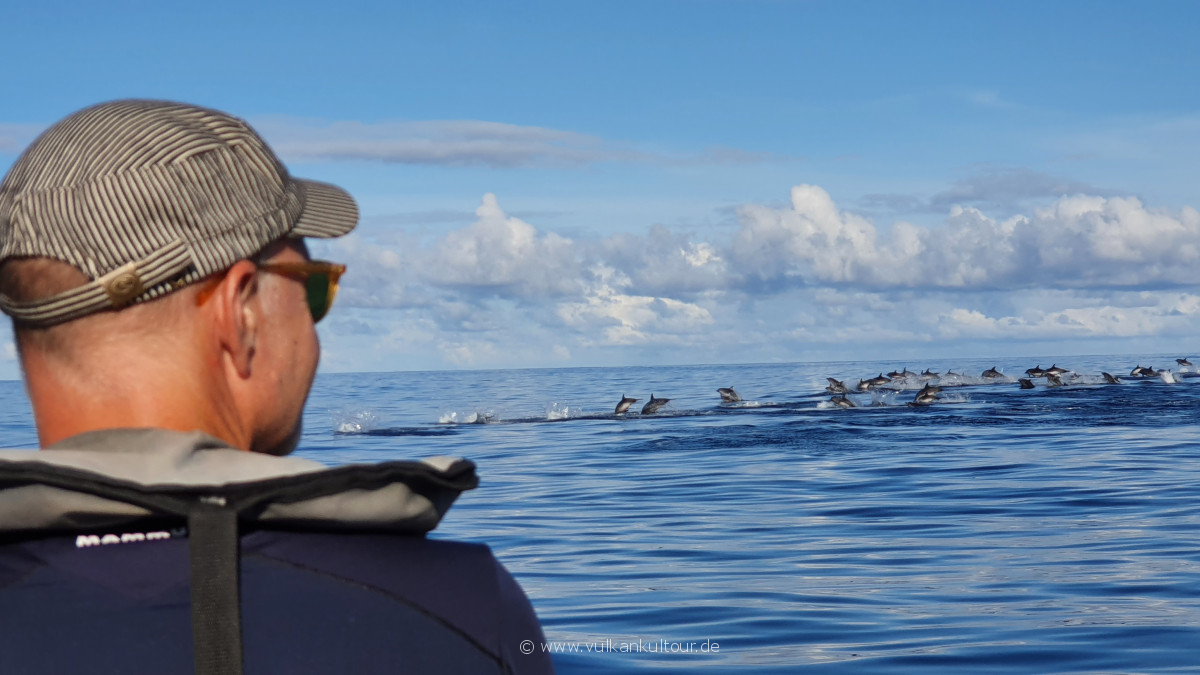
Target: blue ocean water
[999,530]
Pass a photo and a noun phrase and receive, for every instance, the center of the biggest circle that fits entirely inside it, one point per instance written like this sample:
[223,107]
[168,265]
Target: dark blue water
[998,530]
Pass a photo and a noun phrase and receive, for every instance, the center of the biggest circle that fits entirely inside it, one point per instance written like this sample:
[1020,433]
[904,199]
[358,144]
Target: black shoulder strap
[215,581]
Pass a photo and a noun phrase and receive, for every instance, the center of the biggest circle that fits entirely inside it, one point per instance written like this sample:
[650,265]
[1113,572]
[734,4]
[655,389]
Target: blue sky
[621,183]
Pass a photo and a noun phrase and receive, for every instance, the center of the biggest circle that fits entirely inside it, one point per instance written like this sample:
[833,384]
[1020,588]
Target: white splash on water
[881,398]
[476,417]
[354,422]
[562,411]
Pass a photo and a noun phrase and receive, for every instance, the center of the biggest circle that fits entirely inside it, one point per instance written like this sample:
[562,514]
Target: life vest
[52,492]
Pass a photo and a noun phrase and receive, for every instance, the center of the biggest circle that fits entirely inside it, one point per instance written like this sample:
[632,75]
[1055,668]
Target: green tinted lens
[317,285]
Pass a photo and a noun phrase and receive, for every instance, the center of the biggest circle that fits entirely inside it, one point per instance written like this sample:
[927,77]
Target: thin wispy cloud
[475,143]
[989,98]
[996,189]
[446,143]
[14,137]
[1154,139]
[1008,188]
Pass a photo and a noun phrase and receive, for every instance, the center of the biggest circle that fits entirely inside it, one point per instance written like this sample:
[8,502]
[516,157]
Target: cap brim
[329,211]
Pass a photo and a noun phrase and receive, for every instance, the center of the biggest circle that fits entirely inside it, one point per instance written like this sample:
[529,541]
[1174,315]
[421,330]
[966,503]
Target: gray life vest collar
[115,477]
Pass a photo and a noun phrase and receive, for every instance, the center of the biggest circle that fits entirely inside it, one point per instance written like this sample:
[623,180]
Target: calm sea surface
[999,530]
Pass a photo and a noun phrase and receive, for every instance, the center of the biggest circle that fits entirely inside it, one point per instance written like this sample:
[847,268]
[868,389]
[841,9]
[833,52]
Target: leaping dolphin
[836,386]
[1036,371]
[991,374]
[842,402]
[1110,379]
[653,405]
[1183,362]
[624,404]
[728,395]
[1053,380]
[926,396]
[877,381]
[1055,370]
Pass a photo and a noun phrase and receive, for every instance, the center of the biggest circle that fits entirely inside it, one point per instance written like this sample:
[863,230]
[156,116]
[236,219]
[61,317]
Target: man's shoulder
[378,557]
[313,601]
[453,594]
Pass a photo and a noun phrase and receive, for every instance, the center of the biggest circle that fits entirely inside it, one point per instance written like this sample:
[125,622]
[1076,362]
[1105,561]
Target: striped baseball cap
[146,197]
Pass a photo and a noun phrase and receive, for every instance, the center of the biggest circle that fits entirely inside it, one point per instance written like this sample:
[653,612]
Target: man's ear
[237,315]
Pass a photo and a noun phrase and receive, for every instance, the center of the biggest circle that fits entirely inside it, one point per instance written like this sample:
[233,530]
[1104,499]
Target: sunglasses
[320,279]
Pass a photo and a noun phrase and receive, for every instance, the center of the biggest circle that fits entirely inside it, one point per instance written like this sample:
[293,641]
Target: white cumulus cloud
[1078,241]
[503,254]
[606,315]
[805,278]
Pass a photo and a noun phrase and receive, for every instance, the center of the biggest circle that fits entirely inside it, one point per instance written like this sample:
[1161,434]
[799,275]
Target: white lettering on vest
[90,540]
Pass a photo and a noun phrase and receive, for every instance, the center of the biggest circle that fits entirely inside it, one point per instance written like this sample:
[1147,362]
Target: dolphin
[878,381]
[653,405]
[1110,379]
[624,404]
[926,396]
[842,402]
[929,375]
[900,375]
[991,374]
[1183,362]
[728,395]
[863,385]
[836,386]
[1139,371]
[1026,384]
[1053,380]
[1055,370]
[1036,371]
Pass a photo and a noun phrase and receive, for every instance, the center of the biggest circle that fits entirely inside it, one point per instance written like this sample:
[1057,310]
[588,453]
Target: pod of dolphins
[929,393]
[728,395]
[650,408]
[1053,375]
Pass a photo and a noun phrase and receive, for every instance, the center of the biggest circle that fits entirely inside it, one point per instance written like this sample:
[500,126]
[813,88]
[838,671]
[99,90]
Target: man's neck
[165,396]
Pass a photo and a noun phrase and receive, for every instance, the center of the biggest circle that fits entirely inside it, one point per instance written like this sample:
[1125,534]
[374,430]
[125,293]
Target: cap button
[122,285]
